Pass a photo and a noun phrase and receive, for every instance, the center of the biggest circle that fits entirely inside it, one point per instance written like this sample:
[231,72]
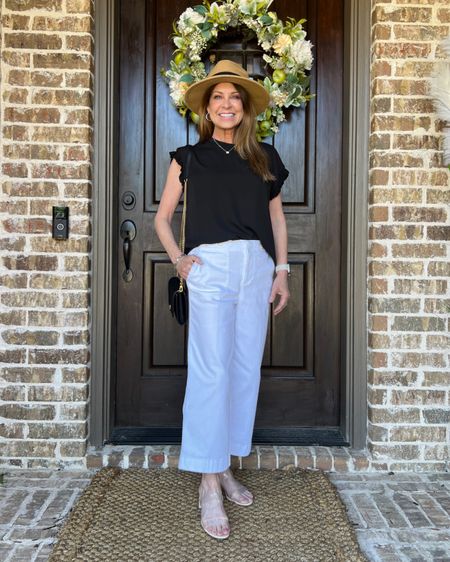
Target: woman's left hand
[280,287]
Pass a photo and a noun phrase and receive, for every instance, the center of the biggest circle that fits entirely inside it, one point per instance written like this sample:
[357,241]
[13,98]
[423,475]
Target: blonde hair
[244,140]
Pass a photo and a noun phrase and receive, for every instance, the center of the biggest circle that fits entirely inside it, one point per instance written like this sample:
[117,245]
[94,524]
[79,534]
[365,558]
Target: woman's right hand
[184,265]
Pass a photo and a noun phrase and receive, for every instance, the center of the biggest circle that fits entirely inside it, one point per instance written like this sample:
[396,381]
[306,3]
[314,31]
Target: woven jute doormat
[139,515]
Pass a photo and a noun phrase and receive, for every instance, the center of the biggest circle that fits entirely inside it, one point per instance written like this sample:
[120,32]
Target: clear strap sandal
[212,499]
[235,495]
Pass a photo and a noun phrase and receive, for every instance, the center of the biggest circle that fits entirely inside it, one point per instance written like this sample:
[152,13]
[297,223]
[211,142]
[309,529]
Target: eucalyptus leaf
[267,83]
[200,10]
[187,78]
[206,33]
[265,19]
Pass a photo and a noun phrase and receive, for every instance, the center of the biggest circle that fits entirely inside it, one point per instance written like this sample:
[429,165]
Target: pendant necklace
[226,151]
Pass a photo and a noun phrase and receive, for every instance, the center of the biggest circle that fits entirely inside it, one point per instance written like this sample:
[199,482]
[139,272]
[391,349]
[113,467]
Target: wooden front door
[299,399]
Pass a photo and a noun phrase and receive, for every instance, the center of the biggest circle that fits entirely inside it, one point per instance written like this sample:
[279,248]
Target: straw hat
[227,71]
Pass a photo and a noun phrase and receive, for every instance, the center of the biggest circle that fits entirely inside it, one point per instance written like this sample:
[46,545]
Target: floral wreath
[286,52]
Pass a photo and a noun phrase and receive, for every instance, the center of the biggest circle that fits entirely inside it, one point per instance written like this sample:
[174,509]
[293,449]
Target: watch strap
[283,267]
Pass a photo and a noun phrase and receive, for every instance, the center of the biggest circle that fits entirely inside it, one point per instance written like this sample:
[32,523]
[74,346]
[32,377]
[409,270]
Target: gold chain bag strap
[177,288]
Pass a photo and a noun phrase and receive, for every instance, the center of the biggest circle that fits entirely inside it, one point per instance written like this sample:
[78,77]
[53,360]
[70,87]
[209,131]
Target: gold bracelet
[179,258]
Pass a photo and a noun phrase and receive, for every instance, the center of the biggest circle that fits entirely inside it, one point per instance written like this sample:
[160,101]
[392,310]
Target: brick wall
[46,70]
[408,267]
[45,145]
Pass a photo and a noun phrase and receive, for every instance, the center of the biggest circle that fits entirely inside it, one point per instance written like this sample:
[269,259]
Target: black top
[226,200]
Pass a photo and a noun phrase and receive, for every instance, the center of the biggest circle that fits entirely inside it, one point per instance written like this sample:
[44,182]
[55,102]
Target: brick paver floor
[397,517]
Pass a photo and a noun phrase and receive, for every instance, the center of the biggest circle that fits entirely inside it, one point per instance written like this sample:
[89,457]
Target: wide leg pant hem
[240,451]
[206,465]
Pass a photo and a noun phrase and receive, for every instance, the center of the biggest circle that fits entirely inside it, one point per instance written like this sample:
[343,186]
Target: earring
[207,117]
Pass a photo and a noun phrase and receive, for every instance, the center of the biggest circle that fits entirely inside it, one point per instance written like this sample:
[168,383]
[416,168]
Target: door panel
[301,366]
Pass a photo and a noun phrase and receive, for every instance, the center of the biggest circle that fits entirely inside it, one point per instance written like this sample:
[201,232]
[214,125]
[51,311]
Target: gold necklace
[226,151]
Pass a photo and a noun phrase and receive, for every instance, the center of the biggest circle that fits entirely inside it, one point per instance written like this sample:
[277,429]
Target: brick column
[46,97]
[408,265]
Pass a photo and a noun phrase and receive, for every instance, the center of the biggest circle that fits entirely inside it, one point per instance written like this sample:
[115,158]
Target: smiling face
[225,107]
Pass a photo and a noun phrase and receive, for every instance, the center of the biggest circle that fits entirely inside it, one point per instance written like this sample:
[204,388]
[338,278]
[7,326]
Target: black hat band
[233,73]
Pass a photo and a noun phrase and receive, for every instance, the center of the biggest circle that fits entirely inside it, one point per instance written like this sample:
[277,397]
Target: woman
[235,232]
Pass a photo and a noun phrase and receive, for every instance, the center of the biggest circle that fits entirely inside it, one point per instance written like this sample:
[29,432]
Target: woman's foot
[214,520]
[234,490]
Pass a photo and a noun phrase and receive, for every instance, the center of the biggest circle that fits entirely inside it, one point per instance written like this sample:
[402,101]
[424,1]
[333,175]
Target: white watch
[283,267]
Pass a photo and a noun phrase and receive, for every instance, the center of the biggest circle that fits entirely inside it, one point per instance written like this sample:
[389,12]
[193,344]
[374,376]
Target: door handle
[128,234]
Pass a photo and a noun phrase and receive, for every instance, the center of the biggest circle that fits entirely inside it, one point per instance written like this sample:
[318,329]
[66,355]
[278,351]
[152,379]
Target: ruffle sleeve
[278,170]
[180,156]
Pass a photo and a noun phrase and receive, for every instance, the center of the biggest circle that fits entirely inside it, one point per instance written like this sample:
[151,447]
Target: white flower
[301,51]
[189,19]
[177,90]
[282,43]
[265,45]
[251,6]
[196,44]
[279,98]
[247,6]
[220,13]
[233,13]
[198,71]
[176,97]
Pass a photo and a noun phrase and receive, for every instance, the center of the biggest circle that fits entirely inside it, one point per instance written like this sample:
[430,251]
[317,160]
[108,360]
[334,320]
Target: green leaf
[265,19]
[187,78]
[305,81]
[261,6]
[206,34]
[179,42]
[200,10]
[206,26]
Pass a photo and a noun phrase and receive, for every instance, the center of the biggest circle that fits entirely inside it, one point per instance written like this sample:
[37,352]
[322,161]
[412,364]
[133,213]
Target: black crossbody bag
[177,288]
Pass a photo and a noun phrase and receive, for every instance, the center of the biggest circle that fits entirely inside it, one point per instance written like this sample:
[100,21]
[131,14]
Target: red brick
[378,323]
[378,286]
[377,250]
[397,50]
[443,15]
[419,214]
[378,359]
[401,14]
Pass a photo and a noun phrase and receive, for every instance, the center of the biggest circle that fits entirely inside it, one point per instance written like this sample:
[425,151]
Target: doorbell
[60,223]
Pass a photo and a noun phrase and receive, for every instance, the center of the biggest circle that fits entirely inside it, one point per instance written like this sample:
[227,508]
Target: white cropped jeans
[228,316]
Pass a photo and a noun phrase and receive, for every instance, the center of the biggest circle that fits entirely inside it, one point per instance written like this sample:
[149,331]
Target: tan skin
[226,112]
